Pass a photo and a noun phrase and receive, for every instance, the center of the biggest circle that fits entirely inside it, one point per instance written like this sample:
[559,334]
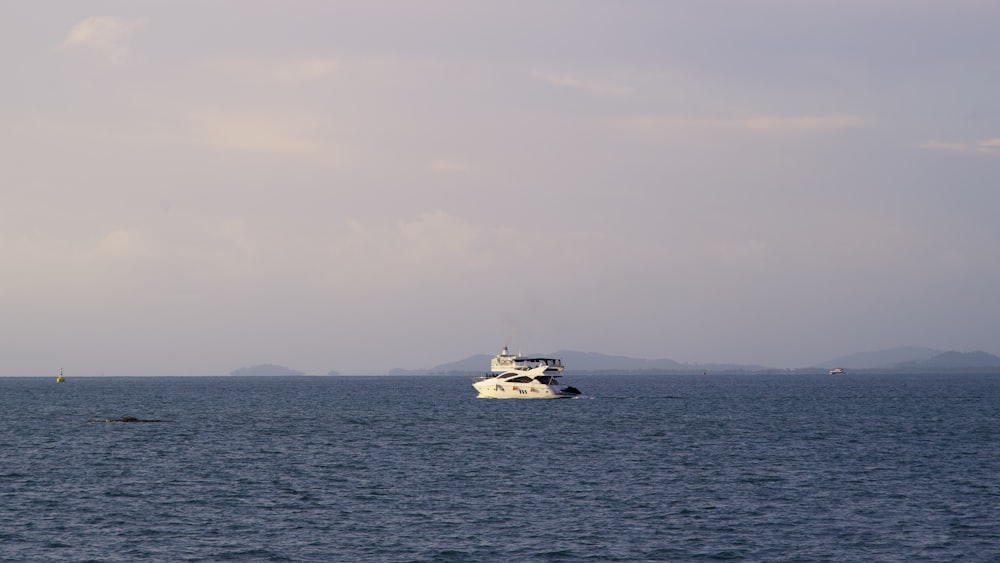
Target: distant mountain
[954,360]
[265,369]
[580,362]
[882,359]
[480,363]
[593,361]
[477,363]
[904,358]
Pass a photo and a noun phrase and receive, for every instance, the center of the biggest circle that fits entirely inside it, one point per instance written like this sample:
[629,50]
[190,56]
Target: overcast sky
[189,187]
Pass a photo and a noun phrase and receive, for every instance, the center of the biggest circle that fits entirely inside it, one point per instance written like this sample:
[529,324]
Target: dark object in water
[129,419]
[571,390]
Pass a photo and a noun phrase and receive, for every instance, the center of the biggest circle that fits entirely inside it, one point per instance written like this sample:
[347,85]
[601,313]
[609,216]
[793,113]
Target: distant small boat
[60,379]
[837,371]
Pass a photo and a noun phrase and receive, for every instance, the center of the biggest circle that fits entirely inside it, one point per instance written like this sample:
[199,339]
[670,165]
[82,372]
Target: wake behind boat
[521,377]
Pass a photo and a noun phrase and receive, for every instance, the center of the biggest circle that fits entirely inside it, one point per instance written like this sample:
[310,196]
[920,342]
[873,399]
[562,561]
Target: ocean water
[668,468]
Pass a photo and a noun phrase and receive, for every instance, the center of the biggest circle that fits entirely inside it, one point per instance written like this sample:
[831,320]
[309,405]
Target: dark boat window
[520,379]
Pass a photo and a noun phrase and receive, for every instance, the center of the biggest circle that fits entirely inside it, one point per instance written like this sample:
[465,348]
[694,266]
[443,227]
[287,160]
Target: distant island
[908,359]
[896,360]
[911,358]
[588,362]
[265,369]
[954,361]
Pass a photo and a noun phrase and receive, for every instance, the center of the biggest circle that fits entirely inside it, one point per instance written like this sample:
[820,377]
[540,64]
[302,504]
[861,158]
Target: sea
[639,468]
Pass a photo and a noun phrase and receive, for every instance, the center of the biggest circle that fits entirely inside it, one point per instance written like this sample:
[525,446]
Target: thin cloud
[942,146]
[567,81]
[278,70]
[801,124]
[658,123]
[437,238]
[122,244]
[106,36]
[262,135]
[989,145]
[431,245]
[984,146]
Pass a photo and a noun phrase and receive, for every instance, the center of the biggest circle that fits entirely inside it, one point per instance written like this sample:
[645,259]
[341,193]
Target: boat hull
[492,389]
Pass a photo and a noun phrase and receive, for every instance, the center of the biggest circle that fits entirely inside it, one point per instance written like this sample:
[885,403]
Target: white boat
[837,371]
[523,377]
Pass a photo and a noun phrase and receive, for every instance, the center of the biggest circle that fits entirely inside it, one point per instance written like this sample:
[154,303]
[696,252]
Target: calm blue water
[776,468]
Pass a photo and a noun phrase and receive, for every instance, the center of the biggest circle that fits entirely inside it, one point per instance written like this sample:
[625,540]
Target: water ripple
[415,469]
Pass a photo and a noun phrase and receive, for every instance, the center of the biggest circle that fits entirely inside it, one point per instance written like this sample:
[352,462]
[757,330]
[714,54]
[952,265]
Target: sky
[190,187]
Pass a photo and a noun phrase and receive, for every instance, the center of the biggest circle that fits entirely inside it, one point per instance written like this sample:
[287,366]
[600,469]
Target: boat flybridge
[523,377]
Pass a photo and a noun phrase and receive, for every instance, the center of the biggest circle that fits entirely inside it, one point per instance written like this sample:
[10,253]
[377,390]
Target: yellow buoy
[60,379]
